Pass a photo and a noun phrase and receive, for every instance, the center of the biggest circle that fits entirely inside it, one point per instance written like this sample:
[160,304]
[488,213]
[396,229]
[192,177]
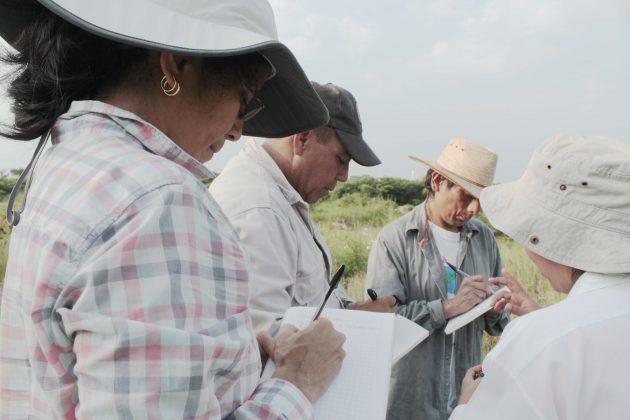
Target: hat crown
[469,161]
[253,15]
[585,178]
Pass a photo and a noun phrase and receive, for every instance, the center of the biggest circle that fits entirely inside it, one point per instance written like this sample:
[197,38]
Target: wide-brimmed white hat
[467,164]
[572,204]
[196,28]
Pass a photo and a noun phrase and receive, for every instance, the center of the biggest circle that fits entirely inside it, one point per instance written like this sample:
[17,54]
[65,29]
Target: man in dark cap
[266,191]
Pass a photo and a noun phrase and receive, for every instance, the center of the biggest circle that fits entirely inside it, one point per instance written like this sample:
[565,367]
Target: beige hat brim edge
[551,235]
[473,189]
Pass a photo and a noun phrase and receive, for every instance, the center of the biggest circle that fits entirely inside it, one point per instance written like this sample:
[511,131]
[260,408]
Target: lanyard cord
[425,240]
[13,216]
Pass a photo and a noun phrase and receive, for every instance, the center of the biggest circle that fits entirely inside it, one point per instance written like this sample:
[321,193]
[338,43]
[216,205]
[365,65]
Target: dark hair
[427,182]
[58,63]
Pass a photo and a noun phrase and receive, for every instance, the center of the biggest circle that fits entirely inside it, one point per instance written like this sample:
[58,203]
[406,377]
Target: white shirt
[288,259]
[447,242]
[567,361]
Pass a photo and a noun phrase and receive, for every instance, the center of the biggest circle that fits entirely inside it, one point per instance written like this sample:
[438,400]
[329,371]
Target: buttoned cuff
[283,399]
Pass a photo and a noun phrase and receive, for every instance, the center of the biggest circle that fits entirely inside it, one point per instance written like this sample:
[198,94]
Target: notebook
[374,341]
[475,312]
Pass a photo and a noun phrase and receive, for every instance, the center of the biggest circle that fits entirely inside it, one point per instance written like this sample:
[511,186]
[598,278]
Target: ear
[172,67]
[436,181]
[301,142]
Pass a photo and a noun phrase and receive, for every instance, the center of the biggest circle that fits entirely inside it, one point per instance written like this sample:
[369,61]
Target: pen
[372,294]
[457,270]
[333,285]
[464,274]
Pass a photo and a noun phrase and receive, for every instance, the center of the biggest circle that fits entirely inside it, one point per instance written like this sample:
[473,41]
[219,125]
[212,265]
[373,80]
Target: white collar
[589,282]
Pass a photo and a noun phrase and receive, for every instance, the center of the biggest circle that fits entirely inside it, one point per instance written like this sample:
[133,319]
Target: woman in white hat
[571,211]
[125,294]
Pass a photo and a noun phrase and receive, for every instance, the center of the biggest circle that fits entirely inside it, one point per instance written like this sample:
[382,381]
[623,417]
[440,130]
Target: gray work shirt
[401,264]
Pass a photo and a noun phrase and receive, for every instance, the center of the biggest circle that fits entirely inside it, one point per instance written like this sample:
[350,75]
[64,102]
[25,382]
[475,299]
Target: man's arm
[386,275]
[271,249]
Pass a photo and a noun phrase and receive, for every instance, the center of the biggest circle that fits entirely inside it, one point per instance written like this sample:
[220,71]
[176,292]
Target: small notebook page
[407,335]
[475,312]
[361,388]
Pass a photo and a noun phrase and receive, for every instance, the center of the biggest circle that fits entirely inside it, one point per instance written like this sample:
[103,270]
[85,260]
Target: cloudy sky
[504,73]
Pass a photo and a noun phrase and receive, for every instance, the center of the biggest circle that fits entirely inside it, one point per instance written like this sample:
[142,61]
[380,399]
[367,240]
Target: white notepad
[374,341]
[475,312]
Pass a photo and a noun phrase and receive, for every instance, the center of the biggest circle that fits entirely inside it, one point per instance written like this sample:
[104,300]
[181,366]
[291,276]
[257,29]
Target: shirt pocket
[310,288]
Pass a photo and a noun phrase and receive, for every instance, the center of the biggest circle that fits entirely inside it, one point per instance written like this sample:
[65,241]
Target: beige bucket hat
[203,28]
[467,164]
[572,204]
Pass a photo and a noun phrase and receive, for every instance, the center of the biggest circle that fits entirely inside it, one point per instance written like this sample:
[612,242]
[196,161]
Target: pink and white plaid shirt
[126,288]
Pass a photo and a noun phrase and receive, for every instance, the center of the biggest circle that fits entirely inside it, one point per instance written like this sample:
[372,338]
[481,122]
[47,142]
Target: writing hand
[310,358]
[472,291]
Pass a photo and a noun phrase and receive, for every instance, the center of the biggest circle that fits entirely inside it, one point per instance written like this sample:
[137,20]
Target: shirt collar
[146,134]
[589,282]
[416,222]
[258,154]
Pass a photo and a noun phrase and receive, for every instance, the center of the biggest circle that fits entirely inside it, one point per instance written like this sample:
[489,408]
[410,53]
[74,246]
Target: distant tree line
[401,191]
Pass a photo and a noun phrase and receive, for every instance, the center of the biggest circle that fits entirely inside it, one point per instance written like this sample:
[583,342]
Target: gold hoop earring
[169,91]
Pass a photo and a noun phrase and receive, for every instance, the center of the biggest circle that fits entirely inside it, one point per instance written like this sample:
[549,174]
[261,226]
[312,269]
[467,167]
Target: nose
[235,132]
[342,175]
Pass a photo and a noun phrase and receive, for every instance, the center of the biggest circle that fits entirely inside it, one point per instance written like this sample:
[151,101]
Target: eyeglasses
[250,108]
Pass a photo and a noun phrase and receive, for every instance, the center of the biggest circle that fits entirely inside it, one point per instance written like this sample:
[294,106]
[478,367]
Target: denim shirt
[403,264]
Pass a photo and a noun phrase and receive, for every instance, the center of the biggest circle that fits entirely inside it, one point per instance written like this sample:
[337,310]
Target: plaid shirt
[125,294]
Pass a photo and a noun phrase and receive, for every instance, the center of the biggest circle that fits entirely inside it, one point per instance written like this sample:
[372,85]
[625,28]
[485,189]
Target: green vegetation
[350,219]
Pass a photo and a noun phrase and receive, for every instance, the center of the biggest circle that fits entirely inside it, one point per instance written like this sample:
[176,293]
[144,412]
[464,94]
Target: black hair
[58,63]
[427,183]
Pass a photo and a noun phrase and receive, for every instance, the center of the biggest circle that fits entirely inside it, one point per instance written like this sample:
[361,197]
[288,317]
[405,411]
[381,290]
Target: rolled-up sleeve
[386,274]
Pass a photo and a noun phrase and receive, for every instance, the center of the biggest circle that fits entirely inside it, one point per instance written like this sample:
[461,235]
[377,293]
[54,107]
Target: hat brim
[357,148]
[553,236]
[473,189]
[291,104]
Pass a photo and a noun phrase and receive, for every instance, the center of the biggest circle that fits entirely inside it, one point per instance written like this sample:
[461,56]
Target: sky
[506,74]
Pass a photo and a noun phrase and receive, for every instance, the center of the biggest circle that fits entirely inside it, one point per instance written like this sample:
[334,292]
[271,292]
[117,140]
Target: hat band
[475,183]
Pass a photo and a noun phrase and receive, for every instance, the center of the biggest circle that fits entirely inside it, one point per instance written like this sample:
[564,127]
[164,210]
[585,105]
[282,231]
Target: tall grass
[351,224]
[4,241]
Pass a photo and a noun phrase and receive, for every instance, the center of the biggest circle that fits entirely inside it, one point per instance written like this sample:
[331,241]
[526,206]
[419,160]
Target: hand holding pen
[472,291]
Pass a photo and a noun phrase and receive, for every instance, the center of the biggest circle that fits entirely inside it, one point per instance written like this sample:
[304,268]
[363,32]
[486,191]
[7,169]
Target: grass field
[351,223]
[350,240]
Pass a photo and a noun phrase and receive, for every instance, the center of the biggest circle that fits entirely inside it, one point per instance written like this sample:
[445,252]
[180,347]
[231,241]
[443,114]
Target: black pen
[333,285]
[463,274]
[457,270]
[372,294]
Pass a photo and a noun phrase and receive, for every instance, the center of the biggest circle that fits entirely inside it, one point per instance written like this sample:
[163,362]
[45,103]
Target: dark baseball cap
[344,118]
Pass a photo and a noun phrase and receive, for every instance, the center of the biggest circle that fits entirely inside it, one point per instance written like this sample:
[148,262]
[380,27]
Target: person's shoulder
[243,185]
[484,231]
[397,229]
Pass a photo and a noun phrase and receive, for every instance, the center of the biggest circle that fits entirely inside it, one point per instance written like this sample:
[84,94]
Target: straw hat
[467,164]
[572,204]
[195,28]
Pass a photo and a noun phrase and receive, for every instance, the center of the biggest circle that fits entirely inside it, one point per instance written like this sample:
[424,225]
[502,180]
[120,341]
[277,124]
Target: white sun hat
[205,28]
[465,163]
[572,204]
